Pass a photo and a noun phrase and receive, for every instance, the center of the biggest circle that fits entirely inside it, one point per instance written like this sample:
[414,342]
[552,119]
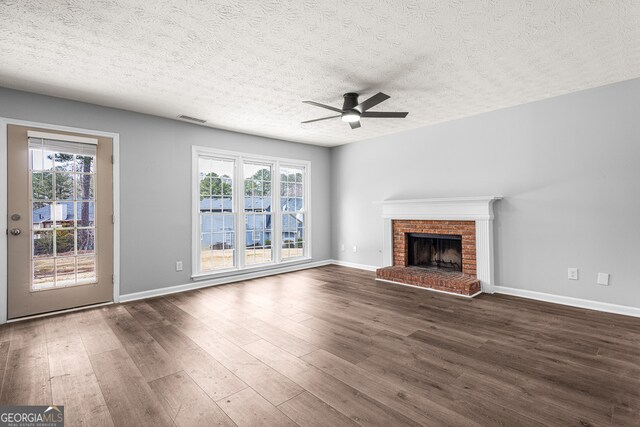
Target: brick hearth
[464,283]
[455,282]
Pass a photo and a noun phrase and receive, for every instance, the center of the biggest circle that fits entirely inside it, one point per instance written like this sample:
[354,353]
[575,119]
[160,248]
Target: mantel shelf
[454,208]
[441,200]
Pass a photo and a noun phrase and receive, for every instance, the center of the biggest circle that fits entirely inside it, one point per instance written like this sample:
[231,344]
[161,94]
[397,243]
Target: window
[257,208]
[249,211]
[292,208]
[216,217]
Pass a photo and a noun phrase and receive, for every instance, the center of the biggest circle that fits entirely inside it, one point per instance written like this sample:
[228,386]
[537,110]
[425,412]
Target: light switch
[603,279]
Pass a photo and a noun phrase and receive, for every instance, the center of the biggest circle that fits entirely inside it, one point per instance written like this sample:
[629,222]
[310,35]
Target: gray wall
[569,168]
[155,180]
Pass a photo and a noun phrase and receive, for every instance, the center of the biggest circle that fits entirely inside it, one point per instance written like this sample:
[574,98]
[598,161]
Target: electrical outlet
[603,279]
[573,274]
[355,248]
[342,247]
[178,265]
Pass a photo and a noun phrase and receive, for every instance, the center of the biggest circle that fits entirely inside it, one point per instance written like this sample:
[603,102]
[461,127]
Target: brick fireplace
[439,244]
[440,278]
[467,229]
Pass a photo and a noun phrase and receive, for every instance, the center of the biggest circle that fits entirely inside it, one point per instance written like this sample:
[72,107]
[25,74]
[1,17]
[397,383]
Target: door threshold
[55,313]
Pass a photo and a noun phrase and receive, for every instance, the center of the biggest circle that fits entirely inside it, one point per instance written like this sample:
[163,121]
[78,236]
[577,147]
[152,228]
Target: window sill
[248,270]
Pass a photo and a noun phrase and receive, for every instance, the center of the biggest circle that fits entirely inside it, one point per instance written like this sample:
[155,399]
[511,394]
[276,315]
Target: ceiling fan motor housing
[348,111]
[350,101]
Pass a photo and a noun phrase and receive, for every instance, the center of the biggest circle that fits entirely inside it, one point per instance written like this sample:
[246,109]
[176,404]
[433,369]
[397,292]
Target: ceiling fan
[352,110]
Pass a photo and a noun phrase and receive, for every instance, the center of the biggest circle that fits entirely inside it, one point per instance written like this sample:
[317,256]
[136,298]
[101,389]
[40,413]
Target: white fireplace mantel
[456,208]
[478,209]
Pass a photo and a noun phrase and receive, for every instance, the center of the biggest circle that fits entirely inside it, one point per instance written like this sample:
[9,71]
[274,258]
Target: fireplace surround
[450,228]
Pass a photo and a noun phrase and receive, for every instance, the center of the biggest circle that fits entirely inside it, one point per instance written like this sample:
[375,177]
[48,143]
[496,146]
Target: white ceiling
[247,65]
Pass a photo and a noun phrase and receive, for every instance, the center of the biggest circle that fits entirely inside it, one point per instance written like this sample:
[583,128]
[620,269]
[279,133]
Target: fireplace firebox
[435,251]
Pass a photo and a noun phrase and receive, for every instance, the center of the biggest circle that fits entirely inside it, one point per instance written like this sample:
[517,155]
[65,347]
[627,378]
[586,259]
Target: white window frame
[281,212]
[244,218]
[239,159]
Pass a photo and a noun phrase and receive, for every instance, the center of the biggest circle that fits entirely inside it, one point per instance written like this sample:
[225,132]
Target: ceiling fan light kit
[352,110]
[350,116]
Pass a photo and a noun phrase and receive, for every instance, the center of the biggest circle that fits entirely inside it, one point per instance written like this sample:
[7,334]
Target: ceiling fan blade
[354,125]
[371,102]
[324,118]
[384,114]
[328,107]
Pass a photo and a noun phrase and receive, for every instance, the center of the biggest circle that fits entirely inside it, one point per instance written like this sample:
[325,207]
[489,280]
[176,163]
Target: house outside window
[248,211]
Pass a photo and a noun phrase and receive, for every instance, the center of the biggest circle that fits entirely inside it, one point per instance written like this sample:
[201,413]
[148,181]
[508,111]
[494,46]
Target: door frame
[4,123]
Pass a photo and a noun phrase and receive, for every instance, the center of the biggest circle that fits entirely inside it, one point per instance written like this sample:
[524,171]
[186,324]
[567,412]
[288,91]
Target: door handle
[15,231]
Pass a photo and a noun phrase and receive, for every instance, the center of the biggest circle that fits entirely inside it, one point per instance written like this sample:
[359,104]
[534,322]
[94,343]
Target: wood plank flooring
[328,346]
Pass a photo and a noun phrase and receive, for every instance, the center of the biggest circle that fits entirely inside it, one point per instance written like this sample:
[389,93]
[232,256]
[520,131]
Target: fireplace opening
[437,251]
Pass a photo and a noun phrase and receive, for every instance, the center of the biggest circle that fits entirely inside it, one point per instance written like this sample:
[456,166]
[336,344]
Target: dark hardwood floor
[327,347]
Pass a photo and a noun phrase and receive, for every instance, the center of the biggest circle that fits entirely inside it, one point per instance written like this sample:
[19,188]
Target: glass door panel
[62,213]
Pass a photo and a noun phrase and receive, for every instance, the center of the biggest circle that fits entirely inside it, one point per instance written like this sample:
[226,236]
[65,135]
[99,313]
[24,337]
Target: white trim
[570,301]
[195,210]
[4,122]
[354,265]
[237,211]
[276,220]
[455,208]
[485,255]
[212,151]
[221,281]
[239,159]
[429,289]
[387,241]
[60,137]
[523,293]
[230,272]
[441,200]
[3,222]
[116,217]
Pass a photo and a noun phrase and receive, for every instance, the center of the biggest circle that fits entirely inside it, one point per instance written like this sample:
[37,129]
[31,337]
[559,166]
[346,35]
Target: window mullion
[277,218]
[305,207]
[240,216]
[196,264]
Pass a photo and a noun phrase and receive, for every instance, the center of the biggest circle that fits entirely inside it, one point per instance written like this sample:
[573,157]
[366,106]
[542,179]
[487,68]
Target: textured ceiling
[247,65]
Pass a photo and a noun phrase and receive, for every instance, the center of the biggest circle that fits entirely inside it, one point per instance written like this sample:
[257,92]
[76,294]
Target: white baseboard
[354,265]
[573,302]
[220,281]
[540,296]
